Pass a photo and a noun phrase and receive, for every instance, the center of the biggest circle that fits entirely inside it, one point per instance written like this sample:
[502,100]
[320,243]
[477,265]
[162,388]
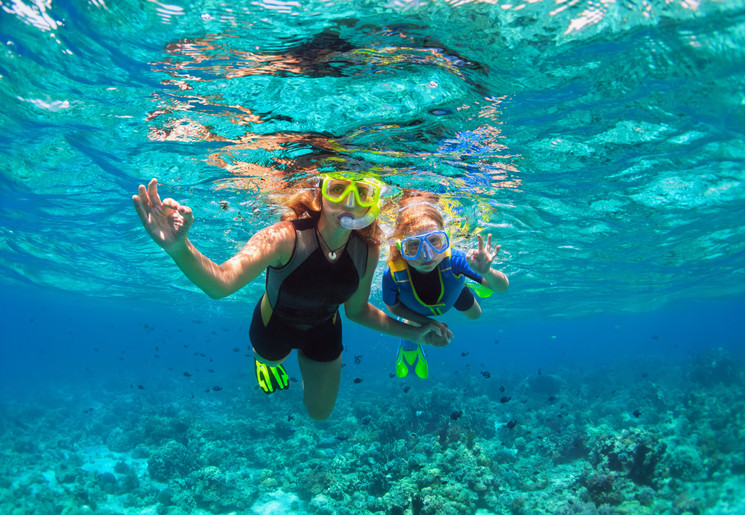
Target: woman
[426,277]
[316,261]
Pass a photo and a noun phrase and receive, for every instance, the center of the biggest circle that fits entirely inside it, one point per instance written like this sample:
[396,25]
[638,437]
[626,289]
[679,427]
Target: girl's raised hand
[480,259]
[166,222]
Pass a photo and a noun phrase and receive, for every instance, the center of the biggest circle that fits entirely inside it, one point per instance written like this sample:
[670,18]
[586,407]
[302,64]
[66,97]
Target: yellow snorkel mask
[367,192]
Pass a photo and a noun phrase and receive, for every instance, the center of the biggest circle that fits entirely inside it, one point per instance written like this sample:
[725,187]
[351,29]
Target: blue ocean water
[600,143]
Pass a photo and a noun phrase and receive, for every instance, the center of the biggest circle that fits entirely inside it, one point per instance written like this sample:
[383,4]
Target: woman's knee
[319,411]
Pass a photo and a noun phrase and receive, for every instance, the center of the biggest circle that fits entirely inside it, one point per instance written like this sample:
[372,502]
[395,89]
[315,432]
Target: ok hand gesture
[166,222]
[480,259]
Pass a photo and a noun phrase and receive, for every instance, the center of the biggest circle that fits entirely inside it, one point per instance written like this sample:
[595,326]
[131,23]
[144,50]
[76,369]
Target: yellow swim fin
[412,358]
[271,379]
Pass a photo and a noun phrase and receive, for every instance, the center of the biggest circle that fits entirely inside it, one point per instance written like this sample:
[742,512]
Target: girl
[425,277]
[322,256]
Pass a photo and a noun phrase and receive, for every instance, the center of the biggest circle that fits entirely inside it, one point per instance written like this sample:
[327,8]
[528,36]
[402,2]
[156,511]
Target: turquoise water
[600,143]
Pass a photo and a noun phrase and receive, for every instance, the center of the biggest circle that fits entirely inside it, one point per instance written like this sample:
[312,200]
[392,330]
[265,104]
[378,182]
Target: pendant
[332,255]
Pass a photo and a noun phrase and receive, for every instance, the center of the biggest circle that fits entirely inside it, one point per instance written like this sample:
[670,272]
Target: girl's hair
[305,201]
[412,211]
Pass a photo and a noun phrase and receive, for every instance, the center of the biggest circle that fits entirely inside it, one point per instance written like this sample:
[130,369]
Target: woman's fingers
[152,190]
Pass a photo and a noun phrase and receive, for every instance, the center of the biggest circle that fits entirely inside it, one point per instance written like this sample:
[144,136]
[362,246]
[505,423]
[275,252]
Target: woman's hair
[305,201]
[412,211]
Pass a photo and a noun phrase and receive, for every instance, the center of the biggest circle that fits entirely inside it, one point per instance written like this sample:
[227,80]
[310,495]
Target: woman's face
[427,259]
[333,211]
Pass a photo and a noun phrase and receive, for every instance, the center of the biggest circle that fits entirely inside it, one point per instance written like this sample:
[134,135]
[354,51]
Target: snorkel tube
[351,223]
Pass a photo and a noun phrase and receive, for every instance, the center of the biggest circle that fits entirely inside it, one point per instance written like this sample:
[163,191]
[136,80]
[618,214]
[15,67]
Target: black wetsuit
[305,295]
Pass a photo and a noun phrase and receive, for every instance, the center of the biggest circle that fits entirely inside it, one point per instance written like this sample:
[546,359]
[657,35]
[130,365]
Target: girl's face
[333,211]
[427,259]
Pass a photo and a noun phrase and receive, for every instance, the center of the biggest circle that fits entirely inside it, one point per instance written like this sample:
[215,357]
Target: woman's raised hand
[166,222]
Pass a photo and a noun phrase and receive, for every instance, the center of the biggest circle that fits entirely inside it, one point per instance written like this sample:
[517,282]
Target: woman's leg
[320,385]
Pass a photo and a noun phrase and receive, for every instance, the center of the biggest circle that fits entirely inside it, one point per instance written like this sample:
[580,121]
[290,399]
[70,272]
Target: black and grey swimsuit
[305,295]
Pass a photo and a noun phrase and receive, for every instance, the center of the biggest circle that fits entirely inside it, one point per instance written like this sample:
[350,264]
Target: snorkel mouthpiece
[351,223]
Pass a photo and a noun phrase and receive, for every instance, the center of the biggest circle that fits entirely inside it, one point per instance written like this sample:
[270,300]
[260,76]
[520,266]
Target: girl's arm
[359,310]
[401,310]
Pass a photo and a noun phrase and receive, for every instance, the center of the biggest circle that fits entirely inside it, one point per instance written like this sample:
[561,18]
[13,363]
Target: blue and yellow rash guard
[430,293]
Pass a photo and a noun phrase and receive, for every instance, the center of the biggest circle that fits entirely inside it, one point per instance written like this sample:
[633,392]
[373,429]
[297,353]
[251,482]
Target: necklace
[331,253]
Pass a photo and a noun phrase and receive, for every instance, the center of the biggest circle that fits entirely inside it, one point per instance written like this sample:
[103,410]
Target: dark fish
[341,438]
[501,389]
[187,374]
[455,415]
[216,388]
[496,341]
[510,424]
[207,390]
[505,399]
[540,373]
[293,379]
[366,420]
[644,374]
[140,387]
[391,375]
[655,337]
[552,398]
[407,388]
[485,374]
[211,370]
[236,349]
[357,380]
[357,359]
[464,354]
[637,413]
[95,349]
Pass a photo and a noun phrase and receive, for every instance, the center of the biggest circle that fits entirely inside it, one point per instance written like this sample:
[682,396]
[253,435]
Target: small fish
[293,379]
[505,399]
[419,413]
[140,387]
[552,398]
[496,341]
[391,375]
[211,370]
[464,354]
[501,389]
[341,438]
[637,413]
[89,410]
[236,349]
[407,388]
[655,337]
[540,372]
[644,374]
[511,424]
[366,420]
[216,388]
[357,359]
[290,417]
[455,415]
[187,374]
[486,374]
[357,380]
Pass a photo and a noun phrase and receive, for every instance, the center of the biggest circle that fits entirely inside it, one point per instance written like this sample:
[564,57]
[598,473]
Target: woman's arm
[271,246]
[168,224]
[359,310]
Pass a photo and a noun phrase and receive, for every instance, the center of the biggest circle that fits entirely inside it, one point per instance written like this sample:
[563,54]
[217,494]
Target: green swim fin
[271,379]
[412,358]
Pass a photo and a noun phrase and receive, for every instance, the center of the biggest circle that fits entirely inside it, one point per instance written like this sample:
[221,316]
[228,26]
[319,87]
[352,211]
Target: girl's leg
[320,385]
